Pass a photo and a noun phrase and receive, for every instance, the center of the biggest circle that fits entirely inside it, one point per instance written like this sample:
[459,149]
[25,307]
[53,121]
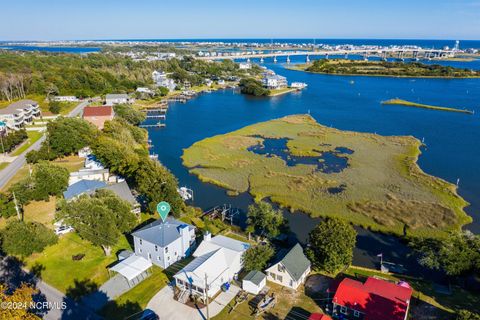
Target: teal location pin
[163,208]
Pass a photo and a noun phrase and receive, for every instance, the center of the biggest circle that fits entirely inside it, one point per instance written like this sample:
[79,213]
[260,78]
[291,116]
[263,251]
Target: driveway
[166,307]
[114,287]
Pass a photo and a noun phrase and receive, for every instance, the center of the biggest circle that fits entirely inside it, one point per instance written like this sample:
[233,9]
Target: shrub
[24,238]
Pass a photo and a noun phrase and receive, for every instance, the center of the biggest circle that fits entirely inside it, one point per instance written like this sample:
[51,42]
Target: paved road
[7,173]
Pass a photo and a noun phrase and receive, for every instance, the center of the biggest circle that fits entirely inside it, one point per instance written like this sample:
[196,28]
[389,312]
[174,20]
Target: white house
[145,90]
[244,65]
[89,174]
[290,269]
[113,99]
[161,80]
[19,113]
[274,81]
[164,243]
[218,260]
[65,98]
[254,282]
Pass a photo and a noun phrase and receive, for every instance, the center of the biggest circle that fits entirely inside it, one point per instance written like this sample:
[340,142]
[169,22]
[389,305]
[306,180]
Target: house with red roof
[98,115]
[375,299]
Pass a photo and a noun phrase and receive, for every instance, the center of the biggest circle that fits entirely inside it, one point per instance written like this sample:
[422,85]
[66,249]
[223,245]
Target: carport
[134,269]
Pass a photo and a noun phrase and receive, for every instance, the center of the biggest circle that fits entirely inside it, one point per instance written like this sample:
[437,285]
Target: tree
[467,315]
[100,219]
[24,238]
[129,113]
[331,245]
[49,179]
[253,87]
[7,206]
[458,254]
[256,258]
[21,296]
[265,220]
[54,107]
[162,91]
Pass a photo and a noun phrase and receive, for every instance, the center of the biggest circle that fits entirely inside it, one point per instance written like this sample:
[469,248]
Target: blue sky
[157,19]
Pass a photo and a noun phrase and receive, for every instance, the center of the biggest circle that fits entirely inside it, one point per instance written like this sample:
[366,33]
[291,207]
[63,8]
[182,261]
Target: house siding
[273,274]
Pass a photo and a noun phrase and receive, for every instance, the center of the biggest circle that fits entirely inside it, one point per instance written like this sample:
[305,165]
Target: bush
[253,87]
[7,206]
[129,113]
[24,238]
[55,107]
[13,139]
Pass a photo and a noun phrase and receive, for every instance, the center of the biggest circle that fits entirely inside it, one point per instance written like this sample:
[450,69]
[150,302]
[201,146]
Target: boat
[298,85]
[185,193]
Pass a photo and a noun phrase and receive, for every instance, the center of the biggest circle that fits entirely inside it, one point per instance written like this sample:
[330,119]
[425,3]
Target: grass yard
[41,211]
[288,301]
[3,165]
[60,270]
[33,137]
[380,186]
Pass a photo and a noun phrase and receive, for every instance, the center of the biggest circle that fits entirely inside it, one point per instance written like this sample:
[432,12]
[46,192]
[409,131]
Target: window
[149,256]
[356,313]
[291,283]
[343,310]
[176,253]
[156,248]
[280,269]
[166,249]
[158,258]
[273,275]
[168,258]
[140,250]
[280,278]
[140,241]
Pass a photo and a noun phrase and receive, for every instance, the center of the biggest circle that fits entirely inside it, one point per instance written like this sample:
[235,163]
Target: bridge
[399,53]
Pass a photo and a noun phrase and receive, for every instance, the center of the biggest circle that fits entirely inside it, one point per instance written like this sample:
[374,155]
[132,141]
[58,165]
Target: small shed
[134,269]
[254,282]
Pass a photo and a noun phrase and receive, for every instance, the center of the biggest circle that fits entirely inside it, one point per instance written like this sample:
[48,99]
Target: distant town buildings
[164,243]
[19,113]
[161,80]
[98,115]
[113,99]
[375,299]
[218,261]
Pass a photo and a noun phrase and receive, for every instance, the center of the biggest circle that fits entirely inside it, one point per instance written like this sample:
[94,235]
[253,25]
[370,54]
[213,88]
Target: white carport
[134,269]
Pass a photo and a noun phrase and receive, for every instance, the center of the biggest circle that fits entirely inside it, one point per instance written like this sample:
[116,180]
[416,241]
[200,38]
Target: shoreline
[401,102]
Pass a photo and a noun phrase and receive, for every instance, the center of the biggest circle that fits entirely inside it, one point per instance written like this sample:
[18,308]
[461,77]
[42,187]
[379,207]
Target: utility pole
[206,295]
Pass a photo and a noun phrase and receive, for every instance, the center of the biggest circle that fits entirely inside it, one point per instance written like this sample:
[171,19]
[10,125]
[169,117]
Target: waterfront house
[244,65]
[98,115]
[89,174]
[19,113]
[290,269]
[218,261]
[254,282]
[274,81]
[375,299]
[161,80]
[113,99]
[164,243]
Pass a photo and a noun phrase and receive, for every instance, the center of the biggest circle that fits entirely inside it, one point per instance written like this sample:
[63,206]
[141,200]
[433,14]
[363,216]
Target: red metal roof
[97,111]
[319,316]
[377,299]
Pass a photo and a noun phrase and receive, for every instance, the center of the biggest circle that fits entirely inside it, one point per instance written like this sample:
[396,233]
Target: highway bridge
[382,53]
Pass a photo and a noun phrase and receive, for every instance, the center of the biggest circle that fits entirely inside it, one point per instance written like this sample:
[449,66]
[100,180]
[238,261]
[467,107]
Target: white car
[63,230]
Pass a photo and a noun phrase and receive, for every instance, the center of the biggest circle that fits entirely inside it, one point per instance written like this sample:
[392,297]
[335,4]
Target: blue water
[326,162]
[52,49]
[348,103]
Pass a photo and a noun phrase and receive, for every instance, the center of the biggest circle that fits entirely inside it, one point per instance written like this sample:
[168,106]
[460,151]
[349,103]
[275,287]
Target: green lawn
[33,137]
[3,165]
[59,270]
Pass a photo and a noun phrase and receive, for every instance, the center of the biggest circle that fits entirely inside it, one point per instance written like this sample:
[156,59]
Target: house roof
[212,264]
[232,247]
[83,186]
[15,106]
[122,190]
[294,261]
[162,234]
[319,316]
[97,111]
[377,299]
[255,277]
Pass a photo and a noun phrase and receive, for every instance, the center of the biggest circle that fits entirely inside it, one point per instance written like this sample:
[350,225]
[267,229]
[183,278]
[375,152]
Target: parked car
[148,314]
[63,230]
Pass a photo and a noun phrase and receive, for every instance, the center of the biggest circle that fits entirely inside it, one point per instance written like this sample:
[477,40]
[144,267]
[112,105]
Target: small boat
[185,193]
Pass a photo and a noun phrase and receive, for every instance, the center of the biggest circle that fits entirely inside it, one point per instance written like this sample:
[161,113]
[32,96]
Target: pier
[225,212]
[153,125]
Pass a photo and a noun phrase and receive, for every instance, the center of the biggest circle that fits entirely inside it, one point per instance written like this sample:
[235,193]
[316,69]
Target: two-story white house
[218,260]
[164,243]
[161,79]
[19,113]
[113,99]
[290,269]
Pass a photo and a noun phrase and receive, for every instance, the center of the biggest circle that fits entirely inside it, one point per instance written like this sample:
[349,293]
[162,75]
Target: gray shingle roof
[295,262]
[81,187]
[162,234]
[255,277]
[15,106]
[123,191]
[116,96]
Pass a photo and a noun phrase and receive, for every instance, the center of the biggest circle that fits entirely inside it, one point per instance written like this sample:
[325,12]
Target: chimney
[207,236]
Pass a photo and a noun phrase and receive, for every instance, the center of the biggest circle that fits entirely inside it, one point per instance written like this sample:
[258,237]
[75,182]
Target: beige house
[290,269]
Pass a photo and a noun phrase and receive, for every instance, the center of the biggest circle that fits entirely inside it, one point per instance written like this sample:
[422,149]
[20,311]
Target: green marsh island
[371,180]
[385,68]
[423,106]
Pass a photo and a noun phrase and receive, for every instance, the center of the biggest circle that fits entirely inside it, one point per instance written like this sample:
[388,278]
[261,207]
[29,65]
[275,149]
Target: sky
[164,19]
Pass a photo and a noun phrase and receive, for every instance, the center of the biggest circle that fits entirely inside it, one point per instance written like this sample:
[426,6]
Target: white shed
[254,282]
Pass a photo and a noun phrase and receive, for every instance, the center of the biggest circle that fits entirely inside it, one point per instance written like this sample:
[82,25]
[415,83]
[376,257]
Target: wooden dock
[153,125]
[156,116]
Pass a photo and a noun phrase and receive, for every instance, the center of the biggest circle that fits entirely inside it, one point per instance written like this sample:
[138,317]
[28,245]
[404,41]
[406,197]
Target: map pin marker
[163,208]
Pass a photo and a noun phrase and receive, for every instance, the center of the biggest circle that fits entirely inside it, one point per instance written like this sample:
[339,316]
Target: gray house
[164,243]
